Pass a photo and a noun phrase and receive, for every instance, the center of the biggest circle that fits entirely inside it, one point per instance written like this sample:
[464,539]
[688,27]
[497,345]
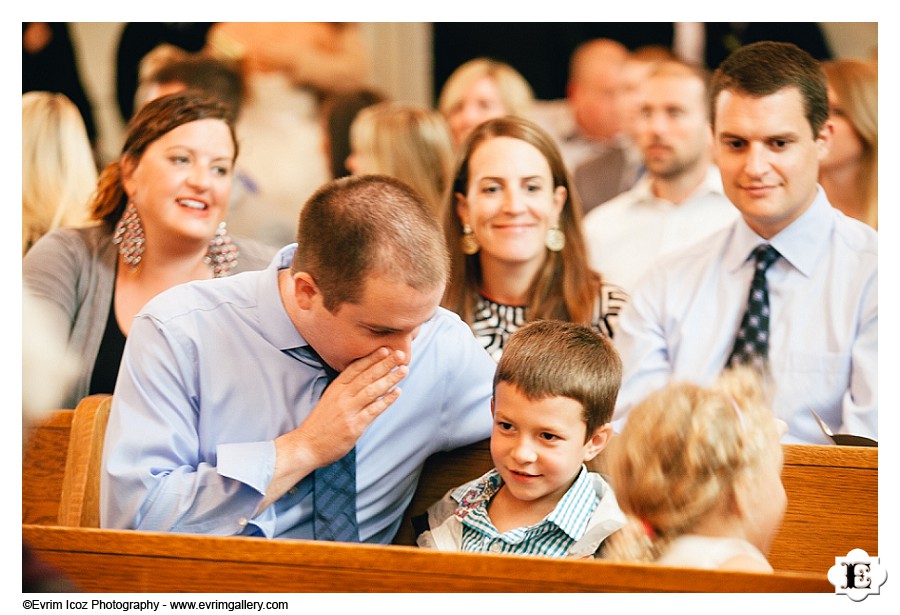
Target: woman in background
[513,228]
[849,173]
[480,90]
[161,208]
[58,168]
[407,142]
[338,112]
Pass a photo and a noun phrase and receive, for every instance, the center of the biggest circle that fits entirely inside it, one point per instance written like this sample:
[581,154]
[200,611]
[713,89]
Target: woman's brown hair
[565,288]
[155,119]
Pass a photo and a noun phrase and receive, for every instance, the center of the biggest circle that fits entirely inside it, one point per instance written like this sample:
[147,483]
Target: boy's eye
[549,437]
[504,425]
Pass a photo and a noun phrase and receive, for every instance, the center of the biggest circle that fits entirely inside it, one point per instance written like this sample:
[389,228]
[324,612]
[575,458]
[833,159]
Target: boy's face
[538,446]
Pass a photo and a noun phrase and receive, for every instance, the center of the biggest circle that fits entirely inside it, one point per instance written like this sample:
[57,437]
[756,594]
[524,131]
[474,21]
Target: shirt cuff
[252,463]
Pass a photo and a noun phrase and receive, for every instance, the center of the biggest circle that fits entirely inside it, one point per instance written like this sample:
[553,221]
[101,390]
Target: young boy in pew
[554,392]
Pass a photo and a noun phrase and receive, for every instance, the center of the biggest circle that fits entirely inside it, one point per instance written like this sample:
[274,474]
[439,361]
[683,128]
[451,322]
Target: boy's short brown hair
[549,358]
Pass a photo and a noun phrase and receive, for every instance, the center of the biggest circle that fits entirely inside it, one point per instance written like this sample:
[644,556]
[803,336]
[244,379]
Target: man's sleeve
[643,346]
[156,475]
[468,387]
[860,402]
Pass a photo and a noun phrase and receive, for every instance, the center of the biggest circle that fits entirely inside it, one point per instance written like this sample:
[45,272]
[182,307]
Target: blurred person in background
[59,172]
[408,142]
[480,90]
[849,174]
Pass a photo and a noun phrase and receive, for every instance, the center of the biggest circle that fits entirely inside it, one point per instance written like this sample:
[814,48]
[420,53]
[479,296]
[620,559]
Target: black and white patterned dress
[494,322]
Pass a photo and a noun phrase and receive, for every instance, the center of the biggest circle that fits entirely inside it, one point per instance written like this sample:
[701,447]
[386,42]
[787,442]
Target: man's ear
[824,139]
[597,441]
[305,290]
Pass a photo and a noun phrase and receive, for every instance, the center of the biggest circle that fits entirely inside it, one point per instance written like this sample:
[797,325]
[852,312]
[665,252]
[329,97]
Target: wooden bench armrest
[80,496]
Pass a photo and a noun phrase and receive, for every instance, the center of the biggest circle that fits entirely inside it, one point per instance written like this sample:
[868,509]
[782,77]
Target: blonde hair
[855,83]
[515,92]
[59,172]
[408,142]
[681,452]
[565,288]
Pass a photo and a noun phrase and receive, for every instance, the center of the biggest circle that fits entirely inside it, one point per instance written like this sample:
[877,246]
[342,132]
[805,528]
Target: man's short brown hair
[762,69]
[354,227]
[552,358]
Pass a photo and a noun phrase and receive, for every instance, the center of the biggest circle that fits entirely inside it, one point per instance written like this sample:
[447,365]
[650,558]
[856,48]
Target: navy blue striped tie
[334,486]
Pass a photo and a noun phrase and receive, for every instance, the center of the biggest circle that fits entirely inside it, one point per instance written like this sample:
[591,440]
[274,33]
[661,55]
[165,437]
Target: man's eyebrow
[783,136]
[382,328]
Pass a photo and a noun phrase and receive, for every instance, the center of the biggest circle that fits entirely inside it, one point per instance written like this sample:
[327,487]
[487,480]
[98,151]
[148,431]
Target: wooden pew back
[832,490]
[128,561]
[44,453]
[61,465]
[832,496]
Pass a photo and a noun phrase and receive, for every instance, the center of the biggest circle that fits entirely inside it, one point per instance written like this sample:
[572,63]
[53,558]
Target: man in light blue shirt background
[771,130]
[221,414]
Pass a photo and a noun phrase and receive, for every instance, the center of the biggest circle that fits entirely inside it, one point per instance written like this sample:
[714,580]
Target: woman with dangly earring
[513,228]
[161,209]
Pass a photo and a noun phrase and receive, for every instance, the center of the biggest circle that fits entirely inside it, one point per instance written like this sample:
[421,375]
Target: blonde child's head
[690,455]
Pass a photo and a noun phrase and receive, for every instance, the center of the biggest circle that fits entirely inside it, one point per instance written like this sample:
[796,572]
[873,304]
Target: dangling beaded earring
[555,240]
[129,236]
[222,255]
[468,243]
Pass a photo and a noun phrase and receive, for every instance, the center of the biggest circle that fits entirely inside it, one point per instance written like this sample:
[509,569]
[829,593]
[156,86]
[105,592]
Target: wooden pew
[128,561]
[820,482]
[61,465]
[44,453]
[832,496]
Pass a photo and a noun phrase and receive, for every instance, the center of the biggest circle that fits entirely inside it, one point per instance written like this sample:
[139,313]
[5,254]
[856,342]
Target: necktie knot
[308,356]
[765,255]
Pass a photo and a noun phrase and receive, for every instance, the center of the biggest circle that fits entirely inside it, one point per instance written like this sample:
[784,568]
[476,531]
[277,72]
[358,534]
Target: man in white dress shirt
[679,200]
[771,130]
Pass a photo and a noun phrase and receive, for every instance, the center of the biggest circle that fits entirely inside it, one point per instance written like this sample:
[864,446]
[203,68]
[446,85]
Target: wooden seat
[61,463]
